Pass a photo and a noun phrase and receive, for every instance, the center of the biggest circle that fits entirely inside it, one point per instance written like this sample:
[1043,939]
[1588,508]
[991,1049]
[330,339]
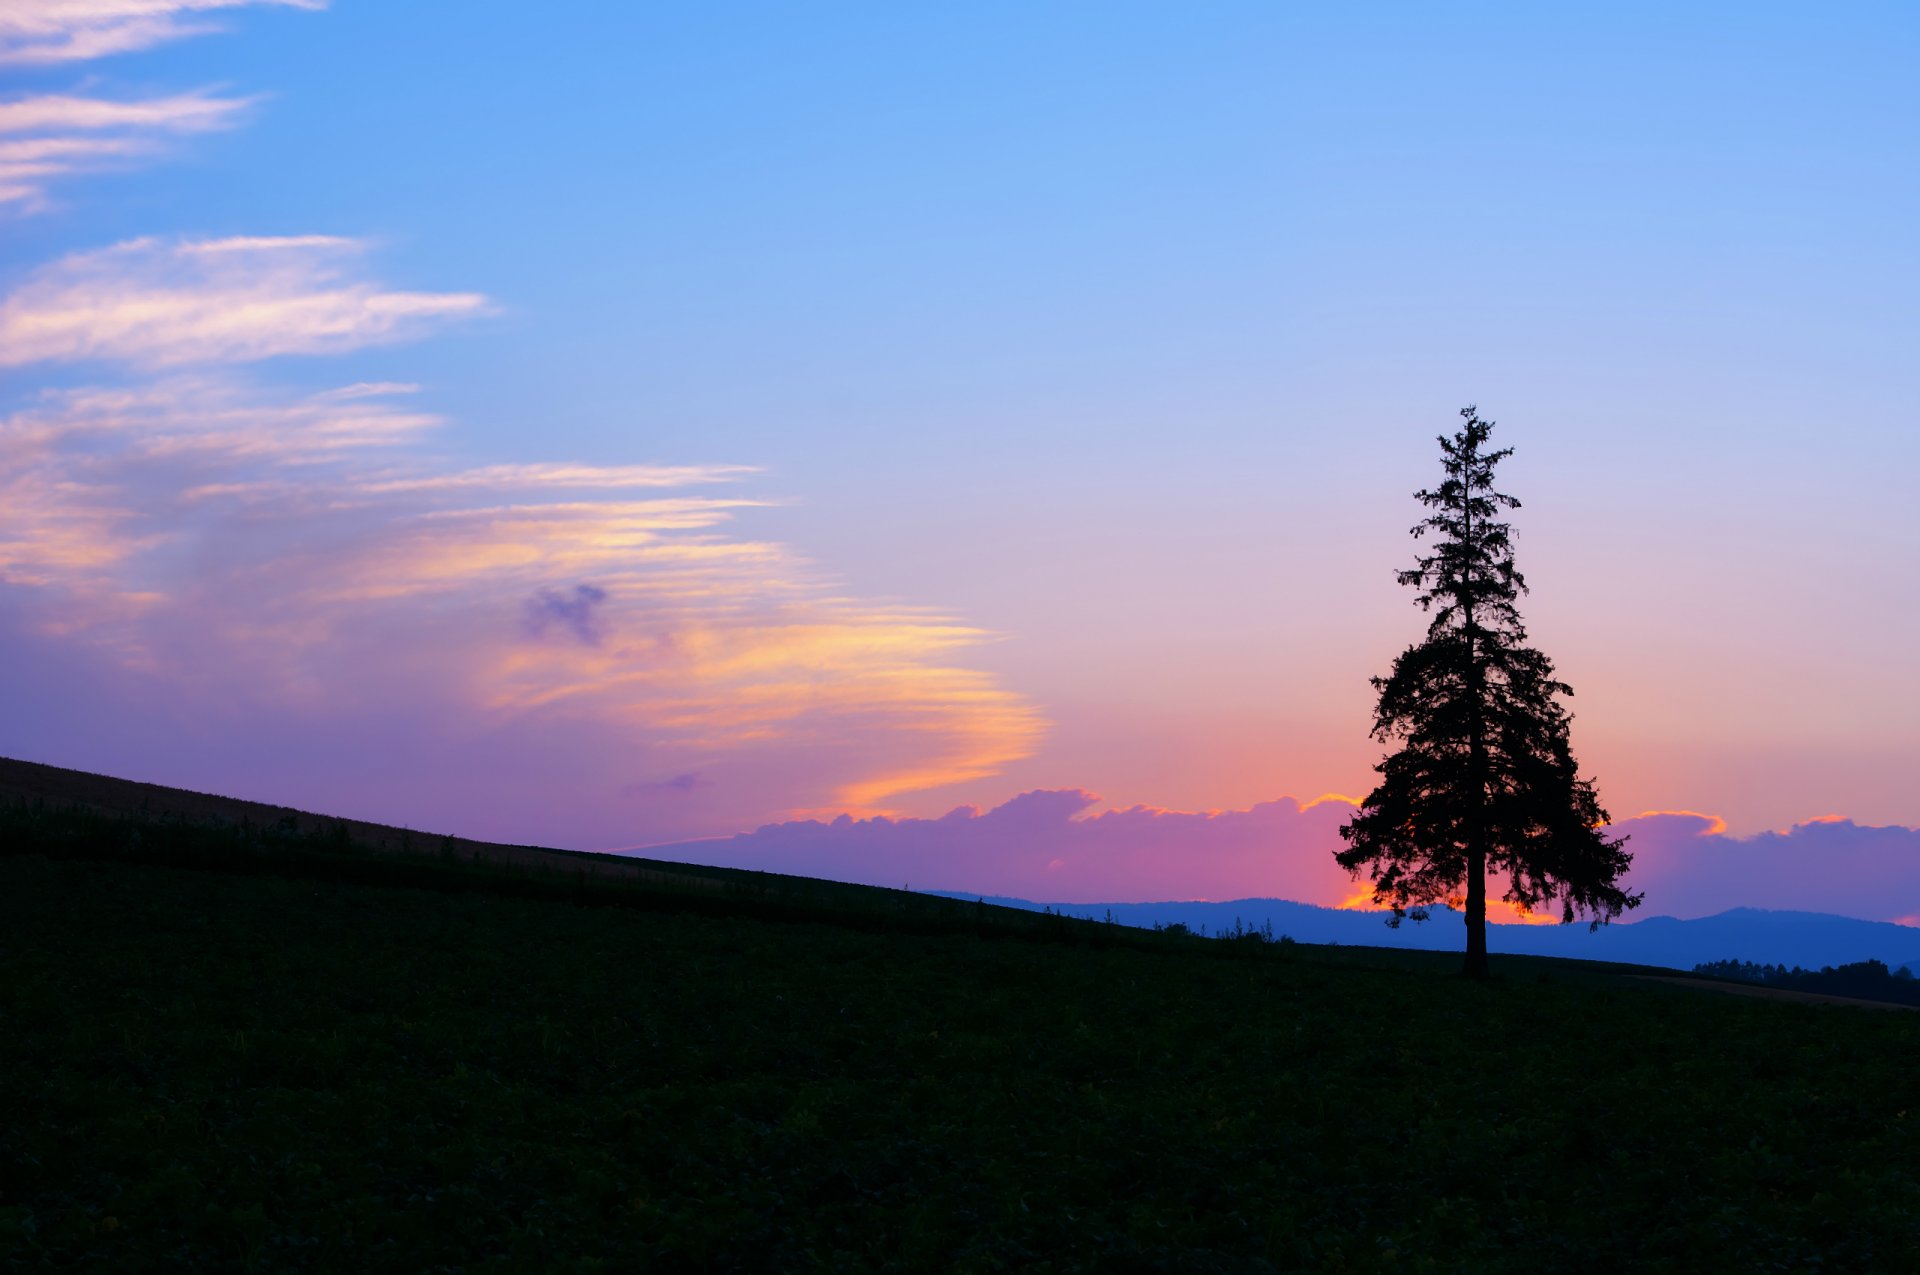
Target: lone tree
[1484,779]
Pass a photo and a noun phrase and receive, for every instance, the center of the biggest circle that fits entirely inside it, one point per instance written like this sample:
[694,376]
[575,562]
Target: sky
[615,426]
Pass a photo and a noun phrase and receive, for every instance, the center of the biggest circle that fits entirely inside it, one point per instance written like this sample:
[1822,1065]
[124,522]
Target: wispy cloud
[194,112]
[208,414]
[580,477]
[155,304]
[76,30]
[51,136]
[304,602]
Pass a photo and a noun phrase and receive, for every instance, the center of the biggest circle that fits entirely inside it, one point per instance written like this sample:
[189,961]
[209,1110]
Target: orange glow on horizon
[1499,911]
[1516,915]
[1361,900]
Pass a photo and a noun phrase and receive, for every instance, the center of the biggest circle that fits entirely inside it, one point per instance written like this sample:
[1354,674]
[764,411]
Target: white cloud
[156,303]
[194,112]
[41,31]
[51,136]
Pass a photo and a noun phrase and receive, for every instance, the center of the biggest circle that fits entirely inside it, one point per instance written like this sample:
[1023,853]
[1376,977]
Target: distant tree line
[1867,980]
[1243,934]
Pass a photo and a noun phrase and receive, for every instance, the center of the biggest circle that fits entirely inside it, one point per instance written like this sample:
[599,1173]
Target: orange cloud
[1710,825]
[1360,899]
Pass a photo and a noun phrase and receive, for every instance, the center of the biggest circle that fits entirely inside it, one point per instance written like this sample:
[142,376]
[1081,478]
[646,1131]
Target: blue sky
[1118,335]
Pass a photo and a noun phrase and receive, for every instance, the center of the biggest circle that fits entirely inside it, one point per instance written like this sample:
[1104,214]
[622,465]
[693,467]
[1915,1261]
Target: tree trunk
[1476,913]
[1476,753]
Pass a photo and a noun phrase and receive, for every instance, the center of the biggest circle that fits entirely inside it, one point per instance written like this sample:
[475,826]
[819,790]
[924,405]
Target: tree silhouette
[1485,777]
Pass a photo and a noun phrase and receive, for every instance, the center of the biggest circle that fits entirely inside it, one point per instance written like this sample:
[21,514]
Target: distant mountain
[1809,939]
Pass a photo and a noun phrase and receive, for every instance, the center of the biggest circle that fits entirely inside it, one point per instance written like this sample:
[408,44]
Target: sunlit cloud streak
[43,31]
[51,136]
[157,303]
[1047,847]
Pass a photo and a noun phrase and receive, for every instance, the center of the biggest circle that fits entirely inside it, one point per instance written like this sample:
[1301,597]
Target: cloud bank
[1689,867]
[1045,846]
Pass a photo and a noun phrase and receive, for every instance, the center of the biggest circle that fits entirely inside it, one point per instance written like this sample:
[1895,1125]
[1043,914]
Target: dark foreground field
[207,1069]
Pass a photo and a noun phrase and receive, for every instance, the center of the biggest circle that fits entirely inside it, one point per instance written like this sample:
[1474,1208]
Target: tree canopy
[1484,779]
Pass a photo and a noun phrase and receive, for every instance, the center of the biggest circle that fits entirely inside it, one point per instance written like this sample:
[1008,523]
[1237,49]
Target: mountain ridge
[1761,935]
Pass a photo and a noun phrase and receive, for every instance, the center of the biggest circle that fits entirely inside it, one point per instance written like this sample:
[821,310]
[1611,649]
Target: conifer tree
[1484,779]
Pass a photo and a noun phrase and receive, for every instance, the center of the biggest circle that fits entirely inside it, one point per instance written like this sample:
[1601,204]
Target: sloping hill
[76,814]
[29,783]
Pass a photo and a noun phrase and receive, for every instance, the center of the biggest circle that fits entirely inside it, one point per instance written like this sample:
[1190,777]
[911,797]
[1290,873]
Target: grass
[211,1068]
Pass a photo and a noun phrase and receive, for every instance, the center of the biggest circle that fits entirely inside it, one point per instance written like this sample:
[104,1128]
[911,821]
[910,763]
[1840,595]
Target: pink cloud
[1044,846]
[1689,867]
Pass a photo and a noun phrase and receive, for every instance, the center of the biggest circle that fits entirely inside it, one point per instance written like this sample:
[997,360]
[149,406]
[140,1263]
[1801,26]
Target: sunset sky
[615,425]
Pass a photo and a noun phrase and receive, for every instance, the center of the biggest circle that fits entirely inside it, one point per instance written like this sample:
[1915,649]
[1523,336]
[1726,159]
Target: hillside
[260,1072]
[71,813]
[25,783]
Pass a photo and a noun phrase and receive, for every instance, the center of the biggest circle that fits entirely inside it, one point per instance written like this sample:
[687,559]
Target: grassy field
[207,1068]
[274,1073]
